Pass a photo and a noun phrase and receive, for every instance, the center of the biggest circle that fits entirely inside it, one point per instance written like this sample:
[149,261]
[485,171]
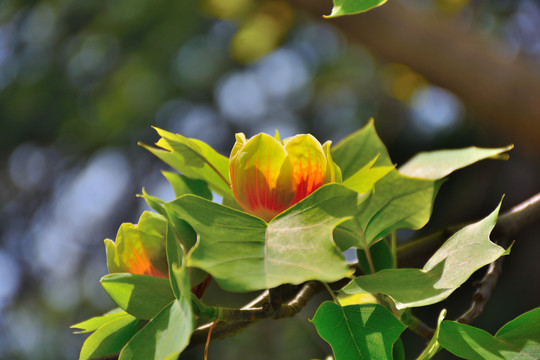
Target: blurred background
[82,81]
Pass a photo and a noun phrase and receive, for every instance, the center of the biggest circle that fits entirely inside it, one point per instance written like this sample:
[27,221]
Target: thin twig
[483,292]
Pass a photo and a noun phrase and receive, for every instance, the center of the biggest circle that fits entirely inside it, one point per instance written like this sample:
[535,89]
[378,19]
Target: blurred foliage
[82,81]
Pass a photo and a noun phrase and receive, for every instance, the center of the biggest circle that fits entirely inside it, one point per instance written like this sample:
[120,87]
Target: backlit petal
[309,164]
[260,175]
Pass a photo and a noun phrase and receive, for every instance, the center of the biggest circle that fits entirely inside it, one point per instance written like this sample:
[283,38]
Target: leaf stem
[417,326]
[331,292]
[393,248]
[366,246]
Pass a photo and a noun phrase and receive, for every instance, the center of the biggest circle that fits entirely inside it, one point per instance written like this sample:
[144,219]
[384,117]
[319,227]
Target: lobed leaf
[243,253]
[459,257]
[366,331]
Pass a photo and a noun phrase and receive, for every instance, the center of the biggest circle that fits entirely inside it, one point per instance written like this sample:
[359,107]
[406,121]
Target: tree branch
[483,292]
[253,312]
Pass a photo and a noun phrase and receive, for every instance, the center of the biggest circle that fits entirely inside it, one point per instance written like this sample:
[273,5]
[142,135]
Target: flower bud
[268,175]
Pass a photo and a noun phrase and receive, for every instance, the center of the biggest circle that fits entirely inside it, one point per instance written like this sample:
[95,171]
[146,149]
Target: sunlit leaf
[358,149]
[195,159]
[140,295]
[94,323]
[365,178]
[350,7]
[243,253]
[165,336]
[460,256]
[438,164]
[366,331]
[518,339]
[397,202]
[183,185]
[110,337]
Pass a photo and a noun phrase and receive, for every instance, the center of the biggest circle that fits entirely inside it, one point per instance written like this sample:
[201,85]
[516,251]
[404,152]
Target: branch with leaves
[285,221]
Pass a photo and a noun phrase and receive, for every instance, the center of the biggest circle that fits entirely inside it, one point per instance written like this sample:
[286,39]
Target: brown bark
[504,94]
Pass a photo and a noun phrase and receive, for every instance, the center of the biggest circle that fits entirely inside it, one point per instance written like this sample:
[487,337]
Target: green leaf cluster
[192,238]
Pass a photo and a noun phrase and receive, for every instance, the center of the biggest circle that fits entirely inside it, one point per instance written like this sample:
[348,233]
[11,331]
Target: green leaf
[364,179]
[94,323]
[518,339]
[139,248]
[438,164]
[358,331]
[358,149]
[183,185]
[110,337]
[381,255]
[155,203]
[179,273]
[243,254]
[397,202]
[165,336]
[195,159]
[351,7]
[398,351]
[433,346]
[459,257]
[140,295]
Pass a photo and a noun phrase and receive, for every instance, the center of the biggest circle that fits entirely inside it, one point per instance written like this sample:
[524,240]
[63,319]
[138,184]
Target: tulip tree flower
[268,175]
[139,248]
